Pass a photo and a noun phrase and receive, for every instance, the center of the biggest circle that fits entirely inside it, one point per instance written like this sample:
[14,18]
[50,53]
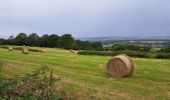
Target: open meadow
[86,76]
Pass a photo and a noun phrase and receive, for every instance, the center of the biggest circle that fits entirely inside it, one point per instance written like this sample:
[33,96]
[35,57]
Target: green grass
[88,75]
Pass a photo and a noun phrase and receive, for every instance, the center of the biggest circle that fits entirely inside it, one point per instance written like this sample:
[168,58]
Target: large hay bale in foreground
[132,64]
[120,66]
[10,48]
[25,50]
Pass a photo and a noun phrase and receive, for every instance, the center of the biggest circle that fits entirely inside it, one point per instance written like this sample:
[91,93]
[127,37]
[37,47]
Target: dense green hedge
[157,55]
[114,53]
[120,47]
[165,50]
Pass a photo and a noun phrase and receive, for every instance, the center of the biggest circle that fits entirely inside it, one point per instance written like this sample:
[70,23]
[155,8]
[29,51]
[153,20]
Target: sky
[85,18]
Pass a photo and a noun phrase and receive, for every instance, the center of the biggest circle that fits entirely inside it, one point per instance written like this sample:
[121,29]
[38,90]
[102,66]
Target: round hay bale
[42,50]
[10,48]
[132,64]
[72,51]
[25,51]
[120,66]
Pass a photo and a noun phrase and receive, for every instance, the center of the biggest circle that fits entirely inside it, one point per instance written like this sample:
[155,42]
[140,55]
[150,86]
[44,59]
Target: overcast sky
[86,18]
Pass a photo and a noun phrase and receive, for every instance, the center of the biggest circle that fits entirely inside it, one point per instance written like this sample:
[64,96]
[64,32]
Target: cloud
[86,17]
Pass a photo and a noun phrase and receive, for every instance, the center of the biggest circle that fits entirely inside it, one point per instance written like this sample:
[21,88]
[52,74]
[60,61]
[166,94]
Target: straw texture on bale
[120,66]
[25,50]
[132,64]
[42,50]
[10,48]
[73,51]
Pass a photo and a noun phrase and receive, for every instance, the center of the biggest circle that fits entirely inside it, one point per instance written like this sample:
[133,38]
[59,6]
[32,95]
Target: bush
[160,55]
[165,50]
[157,55]
[129,47]
[135,53]
[90,52]
[87,45]
[114,53]
[36,86]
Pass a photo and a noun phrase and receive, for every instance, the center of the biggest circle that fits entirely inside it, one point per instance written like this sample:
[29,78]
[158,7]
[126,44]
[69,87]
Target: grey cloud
[86,17]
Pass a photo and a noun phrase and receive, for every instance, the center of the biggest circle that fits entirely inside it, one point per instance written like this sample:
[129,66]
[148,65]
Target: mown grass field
[86,76]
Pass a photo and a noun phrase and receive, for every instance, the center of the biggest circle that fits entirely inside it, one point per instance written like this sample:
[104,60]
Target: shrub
[165,50]
[36,86]
[129,47]
[160,55]
[114,53]
[90,52]
[136,53]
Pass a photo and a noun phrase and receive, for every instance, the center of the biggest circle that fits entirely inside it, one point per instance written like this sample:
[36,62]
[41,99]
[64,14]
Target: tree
[66,41]
[33,39]
[86,45]
[44,40]
[21,39]
[97,46]
[2,41]
[53,40]
[10,40]
[77,45]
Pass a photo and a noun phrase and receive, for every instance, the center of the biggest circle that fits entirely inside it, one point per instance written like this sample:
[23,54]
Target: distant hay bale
[41,50]
[74,51]
[120,66]
[25,50]
[10,48]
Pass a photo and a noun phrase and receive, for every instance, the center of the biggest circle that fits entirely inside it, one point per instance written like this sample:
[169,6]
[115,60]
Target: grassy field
[86,75]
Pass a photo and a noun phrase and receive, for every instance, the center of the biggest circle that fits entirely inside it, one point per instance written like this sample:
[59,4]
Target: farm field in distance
[87,74]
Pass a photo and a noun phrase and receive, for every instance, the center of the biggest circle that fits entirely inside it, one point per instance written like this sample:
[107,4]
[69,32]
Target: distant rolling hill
[125,38]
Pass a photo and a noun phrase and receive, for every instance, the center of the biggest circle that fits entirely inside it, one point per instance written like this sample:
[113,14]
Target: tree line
[65,41]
